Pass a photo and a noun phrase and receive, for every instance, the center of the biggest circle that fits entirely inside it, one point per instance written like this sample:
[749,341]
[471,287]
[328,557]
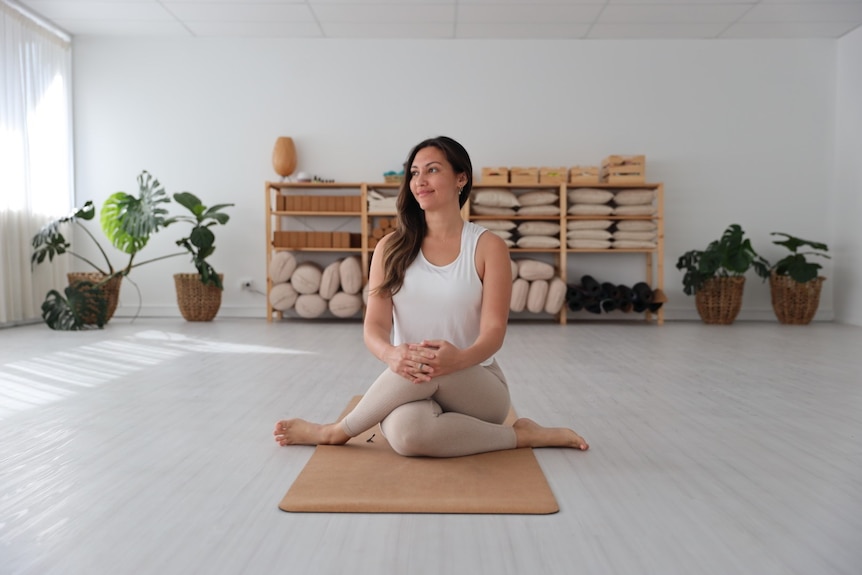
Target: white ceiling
[537,19]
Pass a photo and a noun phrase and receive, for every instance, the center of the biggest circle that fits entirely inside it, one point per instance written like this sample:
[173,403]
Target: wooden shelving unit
[280,220]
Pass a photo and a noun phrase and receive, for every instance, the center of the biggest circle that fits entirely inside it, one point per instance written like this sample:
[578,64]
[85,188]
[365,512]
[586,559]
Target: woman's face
[433,181]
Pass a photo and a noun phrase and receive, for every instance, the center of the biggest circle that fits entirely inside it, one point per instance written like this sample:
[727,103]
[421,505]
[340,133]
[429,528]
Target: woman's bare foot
[531,434]
[301,432]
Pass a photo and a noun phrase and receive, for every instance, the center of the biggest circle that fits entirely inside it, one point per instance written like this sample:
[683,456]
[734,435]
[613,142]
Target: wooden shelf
[654,276]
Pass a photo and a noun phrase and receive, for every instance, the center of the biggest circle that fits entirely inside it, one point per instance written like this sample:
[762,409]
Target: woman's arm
[377,328]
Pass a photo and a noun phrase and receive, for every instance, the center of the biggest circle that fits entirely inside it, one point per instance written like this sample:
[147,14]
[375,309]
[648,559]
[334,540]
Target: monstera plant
[127,221]
[716,275]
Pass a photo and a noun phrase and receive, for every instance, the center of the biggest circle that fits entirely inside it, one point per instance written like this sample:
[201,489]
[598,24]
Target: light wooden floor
[146,448]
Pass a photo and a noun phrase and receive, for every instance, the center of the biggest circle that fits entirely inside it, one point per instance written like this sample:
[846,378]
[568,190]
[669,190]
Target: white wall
[847,243]
[739,131]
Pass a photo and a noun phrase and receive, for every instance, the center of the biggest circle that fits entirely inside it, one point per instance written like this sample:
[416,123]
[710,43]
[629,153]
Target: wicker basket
[719,299]
[793,302]
[110,290]
[198,302]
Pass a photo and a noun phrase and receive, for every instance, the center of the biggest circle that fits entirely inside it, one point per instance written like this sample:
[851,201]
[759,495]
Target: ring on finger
[421,366]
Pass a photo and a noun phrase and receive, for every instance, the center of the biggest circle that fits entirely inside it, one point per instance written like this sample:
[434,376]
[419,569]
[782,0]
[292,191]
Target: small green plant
[200,242]
[731,255]
[795,263]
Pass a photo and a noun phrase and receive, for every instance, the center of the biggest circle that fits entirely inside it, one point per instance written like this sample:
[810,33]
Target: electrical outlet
[246,283]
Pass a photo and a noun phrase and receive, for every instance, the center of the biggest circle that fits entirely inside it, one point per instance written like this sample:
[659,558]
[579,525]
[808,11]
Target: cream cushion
[310,305]
[501,233]
[520,288]
[634,197]
[539,228]
[281,266]
[497,225]
[589,224]
[537,295]
[644,236]
[345,305]
[588,235]
[305,279]
[492,211]
[509,243]
[644,210]
[556,295]
[282,296]
[532,270]
[633,244]
[350,271]
[538,242]
[591,210]
[539,198]
[498,198]
[590,196]
[637,225]
[589,244]
[330,281]
[514,268]
[548,210]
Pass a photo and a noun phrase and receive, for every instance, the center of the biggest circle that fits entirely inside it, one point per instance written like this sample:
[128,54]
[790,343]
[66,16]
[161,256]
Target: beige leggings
[451,415]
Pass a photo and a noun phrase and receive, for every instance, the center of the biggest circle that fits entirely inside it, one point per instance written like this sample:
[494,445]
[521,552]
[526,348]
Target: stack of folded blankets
[527,234]
[601,233]
[378,202]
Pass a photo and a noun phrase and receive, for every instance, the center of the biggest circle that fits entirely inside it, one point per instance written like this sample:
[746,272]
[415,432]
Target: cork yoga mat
[369,477]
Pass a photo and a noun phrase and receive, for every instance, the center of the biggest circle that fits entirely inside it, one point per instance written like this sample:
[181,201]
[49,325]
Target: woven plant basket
[198,302]
[110,290]
[793,302]
[719,299]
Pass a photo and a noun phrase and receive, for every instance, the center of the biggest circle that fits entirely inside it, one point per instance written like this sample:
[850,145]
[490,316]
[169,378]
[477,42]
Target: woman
[437,313]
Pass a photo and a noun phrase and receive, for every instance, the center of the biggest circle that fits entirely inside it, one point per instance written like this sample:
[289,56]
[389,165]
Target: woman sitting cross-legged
[437,313]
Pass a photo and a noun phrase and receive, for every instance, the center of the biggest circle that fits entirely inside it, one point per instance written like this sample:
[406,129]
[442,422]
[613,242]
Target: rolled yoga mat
[367,476]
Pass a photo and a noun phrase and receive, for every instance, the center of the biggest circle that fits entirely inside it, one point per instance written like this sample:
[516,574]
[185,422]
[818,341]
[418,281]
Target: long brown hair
[404,245]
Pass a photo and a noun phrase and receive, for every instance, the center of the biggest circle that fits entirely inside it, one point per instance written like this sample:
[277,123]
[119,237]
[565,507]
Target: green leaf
[128,222]
[84,307]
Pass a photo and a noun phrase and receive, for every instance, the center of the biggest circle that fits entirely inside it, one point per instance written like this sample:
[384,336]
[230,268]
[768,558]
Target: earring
[460,190]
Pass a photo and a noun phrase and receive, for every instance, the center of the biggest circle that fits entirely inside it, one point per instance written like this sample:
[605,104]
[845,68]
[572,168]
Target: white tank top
[441,302]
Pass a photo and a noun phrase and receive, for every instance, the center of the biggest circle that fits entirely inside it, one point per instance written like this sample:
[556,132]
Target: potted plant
[199,295]
[794,283]
[715,275]
[128,222]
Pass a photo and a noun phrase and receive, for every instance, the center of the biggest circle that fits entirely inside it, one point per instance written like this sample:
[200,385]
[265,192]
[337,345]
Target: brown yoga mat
[369,477]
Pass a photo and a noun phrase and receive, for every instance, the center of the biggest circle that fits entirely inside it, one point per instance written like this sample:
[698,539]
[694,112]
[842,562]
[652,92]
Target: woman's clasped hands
[420,362]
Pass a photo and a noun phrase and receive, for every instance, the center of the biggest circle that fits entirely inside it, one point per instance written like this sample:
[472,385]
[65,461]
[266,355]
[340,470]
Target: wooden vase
[284,156]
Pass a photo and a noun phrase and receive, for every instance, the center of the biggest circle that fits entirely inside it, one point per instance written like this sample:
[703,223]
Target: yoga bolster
[556,296]
[310,305]
[330,281]
[537,295]
[306,278]
[345,305]
[282,296]
[350,271]
[281,267]
[520,288]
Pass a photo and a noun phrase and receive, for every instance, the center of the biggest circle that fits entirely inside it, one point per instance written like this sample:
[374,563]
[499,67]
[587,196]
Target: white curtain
[35,156]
